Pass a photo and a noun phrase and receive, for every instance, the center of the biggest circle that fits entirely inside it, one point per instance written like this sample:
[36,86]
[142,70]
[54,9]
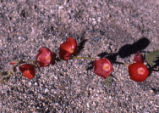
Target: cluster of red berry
[138,70]
[102,66]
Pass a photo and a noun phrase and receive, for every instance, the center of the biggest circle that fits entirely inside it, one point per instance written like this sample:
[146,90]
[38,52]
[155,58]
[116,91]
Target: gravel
[67,86]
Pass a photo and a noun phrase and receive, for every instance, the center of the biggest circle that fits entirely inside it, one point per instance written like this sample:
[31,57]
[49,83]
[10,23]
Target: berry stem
[87,58]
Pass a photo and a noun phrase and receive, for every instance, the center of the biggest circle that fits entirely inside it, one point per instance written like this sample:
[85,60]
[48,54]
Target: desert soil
[67,86]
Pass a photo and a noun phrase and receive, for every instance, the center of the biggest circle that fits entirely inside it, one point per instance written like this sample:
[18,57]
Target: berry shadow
[129,49]
[125,51]
[81,45]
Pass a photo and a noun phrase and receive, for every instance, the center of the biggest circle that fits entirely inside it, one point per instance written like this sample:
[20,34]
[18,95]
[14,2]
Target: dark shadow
[90,65]
[111,56]
[57,59]
[155,90]
[125,51]
[140,45]
[128,49]
[102,55]
[80,46]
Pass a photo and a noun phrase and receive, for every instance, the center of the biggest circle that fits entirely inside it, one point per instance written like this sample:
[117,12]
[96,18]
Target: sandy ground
[67,86]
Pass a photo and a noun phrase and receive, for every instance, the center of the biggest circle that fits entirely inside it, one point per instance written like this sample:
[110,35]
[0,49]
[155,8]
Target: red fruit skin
[135,74]
[139,57]
[68,48]
[13,63]
[45,57]
[99,67]
[28,70]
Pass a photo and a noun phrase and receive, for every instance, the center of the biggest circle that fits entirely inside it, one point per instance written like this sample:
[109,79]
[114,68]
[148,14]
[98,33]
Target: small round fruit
[45,57]
[28,70]
[68,48]
[138,72]
[138,57]
[103,67]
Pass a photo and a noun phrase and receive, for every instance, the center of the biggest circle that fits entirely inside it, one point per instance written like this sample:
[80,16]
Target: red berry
[138,72]
[103,67]
[45,57]
[68,48]
[13,63]
[139,57]
[28,70]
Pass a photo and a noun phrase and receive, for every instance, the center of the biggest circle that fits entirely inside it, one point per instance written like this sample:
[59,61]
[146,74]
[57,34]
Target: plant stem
[88,58]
